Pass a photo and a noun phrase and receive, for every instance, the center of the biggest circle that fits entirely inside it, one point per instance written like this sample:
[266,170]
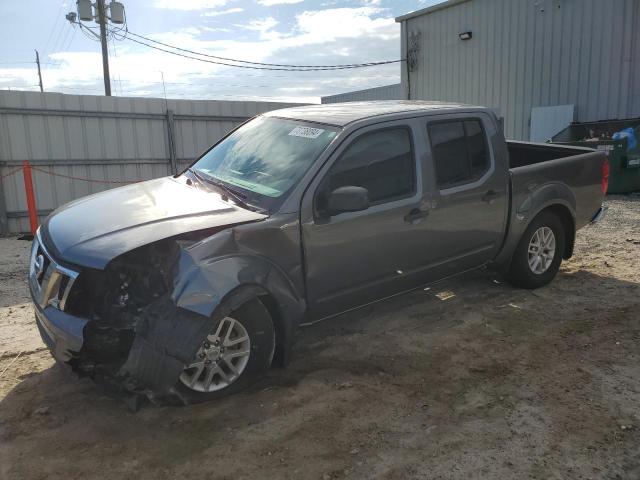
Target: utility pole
[39,71]
[102,19]
[85,13]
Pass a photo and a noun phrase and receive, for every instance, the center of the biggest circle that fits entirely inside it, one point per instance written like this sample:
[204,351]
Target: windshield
[265,157]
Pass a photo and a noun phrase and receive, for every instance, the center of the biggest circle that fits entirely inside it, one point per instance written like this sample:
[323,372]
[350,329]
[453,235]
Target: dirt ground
[468,379]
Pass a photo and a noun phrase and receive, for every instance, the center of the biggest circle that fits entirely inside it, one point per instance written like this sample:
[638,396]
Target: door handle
[415,215]
[490,196]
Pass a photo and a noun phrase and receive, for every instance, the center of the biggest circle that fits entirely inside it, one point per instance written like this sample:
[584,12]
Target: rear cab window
[460,152]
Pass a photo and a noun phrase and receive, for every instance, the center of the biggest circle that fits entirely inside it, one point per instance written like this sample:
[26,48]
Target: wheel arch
[282,326]
[569,224]
[563,211]
[228,282]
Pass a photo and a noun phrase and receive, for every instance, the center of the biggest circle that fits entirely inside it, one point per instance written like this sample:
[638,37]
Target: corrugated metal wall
[387,92]
[531,53]
[105,139]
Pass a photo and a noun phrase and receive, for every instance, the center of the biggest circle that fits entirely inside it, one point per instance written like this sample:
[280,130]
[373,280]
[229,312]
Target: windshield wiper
[238,197]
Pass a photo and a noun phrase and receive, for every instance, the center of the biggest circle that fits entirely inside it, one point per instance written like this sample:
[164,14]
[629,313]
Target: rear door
[354,258]
[468,219]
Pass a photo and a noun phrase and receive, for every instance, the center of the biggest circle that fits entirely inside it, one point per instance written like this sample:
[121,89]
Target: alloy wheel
[221,358]
[542,250]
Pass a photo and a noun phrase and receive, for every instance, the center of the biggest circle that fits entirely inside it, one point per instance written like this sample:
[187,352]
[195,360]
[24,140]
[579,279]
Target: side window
[460,152]
[382,162]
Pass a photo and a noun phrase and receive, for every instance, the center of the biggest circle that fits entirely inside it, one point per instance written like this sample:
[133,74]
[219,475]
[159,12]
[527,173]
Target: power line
[60,42]
[64,49]
[89,33]
[75,30]
[53,28]
[196,73]
[115,54]
[314,69]
[331,67]
[66,37]
[218,60]
[54,46]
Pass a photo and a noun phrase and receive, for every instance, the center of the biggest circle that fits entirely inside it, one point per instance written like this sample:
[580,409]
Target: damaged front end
[136,341]
[136,323]
[127,297]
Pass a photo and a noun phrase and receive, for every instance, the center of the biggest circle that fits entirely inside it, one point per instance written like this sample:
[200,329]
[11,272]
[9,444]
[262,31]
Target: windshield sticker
[306,132]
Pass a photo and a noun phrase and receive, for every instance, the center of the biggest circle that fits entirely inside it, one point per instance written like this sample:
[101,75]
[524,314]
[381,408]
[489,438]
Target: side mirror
[348,199]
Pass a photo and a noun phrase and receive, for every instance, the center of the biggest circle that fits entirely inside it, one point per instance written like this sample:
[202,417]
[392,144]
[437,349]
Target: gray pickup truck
[189,287]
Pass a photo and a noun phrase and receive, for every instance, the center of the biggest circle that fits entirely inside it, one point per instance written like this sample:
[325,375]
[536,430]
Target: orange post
[31,198]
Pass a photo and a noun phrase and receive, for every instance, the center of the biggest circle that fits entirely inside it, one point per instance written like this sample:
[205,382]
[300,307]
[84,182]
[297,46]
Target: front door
[354,258]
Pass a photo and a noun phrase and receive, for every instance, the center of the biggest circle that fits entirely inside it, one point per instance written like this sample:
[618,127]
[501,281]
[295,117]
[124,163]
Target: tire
[252,319]
[542,269]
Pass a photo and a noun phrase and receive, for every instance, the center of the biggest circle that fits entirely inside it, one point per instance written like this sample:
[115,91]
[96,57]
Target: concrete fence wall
[80,144]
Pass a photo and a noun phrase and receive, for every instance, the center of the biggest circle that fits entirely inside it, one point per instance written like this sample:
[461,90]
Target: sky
[309,32]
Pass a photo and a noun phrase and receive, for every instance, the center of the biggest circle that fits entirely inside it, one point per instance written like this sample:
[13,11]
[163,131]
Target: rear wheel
[238,349]
[537,257]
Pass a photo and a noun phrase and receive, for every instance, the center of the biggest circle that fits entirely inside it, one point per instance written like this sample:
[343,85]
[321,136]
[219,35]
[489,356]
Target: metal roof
[431,9]
[341,114]
[385,92]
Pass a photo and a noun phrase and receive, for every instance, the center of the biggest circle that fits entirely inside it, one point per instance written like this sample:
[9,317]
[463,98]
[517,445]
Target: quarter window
[382,162]
[460,152]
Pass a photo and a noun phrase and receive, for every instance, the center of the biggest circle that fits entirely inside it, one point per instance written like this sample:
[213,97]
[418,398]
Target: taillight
[605,176]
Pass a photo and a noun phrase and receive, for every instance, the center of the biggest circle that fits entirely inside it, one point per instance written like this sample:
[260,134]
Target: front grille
[50,282]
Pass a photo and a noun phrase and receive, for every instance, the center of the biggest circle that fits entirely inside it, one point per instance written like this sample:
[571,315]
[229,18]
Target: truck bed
[525,153]
[554,171]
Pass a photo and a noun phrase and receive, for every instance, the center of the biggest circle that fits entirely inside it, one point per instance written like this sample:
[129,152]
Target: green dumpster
[625,162]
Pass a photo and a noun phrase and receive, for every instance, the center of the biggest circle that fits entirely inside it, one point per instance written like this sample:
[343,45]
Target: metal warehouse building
[386,92]
[542,63]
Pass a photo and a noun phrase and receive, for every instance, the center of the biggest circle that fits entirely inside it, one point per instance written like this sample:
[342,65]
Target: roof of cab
[341,114]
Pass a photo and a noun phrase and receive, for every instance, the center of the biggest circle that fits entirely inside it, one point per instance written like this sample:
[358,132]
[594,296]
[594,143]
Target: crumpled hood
[93,230]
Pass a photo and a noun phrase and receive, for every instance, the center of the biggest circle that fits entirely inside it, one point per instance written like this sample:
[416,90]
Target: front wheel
[238,349]
[537,257]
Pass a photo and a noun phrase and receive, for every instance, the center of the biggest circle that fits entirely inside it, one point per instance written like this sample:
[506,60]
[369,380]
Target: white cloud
[189,4]
[217,13]
[265,27]
[261,25]
[316,37]
[217,29]
[190,31]
[346,23]
[270,3]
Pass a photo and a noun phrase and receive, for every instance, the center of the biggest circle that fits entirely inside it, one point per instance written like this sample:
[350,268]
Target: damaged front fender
[151,308]
[202,286]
